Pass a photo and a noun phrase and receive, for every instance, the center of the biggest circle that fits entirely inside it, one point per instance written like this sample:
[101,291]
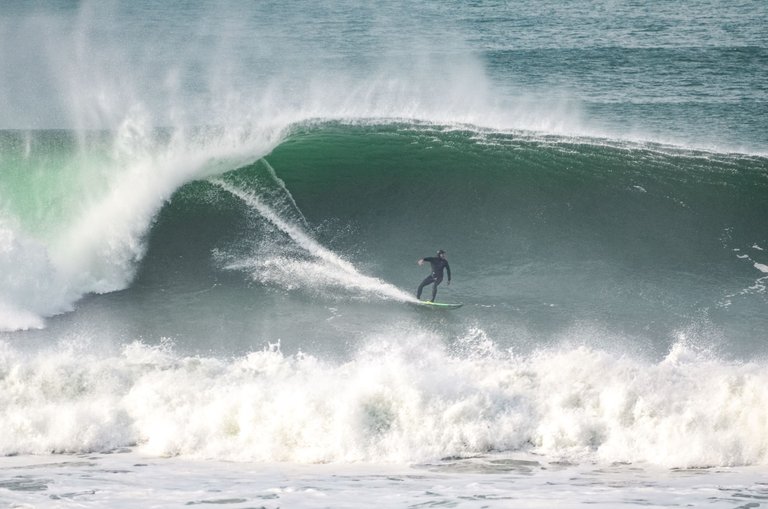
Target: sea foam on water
[402,397]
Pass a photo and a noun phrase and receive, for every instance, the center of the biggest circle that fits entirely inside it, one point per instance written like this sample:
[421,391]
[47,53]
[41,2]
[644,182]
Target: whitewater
[210,220]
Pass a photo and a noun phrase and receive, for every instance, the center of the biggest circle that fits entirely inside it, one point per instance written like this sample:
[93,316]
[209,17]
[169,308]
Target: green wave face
[547,232]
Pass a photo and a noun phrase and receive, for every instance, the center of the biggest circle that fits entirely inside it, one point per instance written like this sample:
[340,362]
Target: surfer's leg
[434,288]
[424,283]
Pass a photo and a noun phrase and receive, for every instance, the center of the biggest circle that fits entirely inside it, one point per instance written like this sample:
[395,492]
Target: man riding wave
[438,263]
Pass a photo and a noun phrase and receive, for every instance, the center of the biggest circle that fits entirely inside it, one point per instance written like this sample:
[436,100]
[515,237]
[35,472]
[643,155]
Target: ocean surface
[211,214]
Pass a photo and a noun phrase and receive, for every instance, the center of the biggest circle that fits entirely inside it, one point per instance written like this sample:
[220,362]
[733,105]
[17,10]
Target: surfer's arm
[448,270]
[426,259]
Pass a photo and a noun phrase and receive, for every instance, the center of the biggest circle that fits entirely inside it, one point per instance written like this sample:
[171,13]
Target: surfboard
[439,305]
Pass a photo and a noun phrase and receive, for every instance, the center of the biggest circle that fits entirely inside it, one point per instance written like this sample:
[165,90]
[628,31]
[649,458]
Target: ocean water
[211,213]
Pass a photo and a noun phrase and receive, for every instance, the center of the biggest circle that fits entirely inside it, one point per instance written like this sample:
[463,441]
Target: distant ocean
[211,213]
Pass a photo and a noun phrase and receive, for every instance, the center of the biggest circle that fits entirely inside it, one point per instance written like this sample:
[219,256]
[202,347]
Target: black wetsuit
[436,277]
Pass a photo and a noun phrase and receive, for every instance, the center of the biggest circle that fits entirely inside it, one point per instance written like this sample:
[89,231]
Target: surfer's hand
[421,261]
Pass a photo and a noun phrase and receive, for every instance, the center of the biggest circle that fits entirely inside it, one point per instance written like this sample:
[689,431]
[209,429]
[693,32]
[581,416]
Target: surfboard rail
[439,305]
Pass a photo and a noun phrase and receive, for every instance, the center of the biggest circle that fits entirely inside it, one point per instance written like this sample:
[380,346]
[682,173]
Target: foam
[30,286]
[402,397]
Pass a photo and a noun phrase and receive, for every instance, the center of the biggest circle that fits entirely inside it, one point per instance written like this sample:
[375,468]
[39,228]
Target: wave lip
[95,239]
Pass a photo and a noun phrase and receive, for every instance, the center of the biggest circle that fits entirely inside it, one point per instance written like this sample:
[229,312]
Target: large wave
[552,221]
[144,111]
[589,210]
[214,90]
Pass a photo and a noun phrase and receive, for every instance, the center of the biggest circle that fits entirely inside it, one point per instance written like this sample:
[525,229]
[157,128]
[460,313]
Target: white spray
[332,270]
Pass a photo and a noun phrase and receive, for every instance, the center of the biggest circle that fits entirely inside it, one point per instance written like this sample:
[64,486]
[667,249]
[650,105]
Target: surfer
[439,263]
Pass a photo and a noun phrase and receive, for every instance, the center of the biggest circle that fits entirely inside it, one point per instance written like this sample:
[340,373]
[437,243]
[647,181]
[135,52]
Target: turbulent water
[210,219]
